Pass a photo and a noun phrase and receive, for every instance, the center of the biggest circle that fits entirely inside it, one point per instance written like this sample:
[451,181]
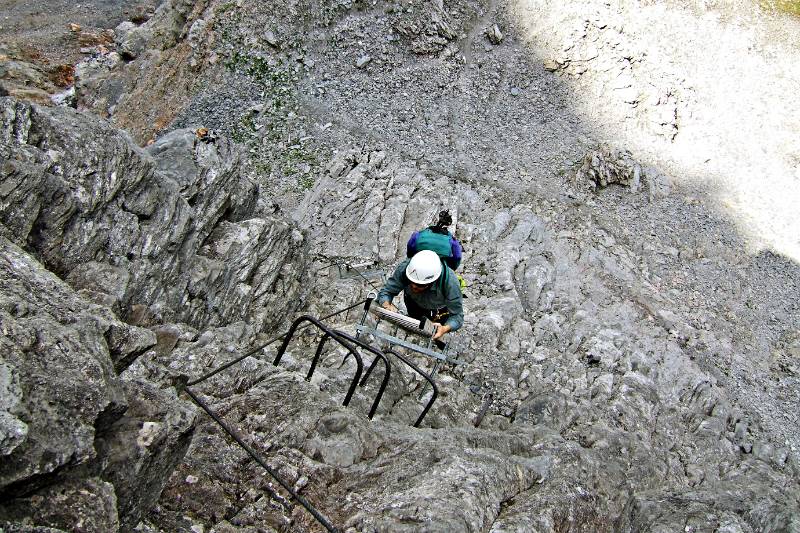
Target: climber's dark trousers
[434,315]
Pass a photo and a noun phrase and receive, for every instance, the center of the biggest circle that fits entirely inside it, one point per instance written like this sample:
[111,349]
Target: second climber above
[438,239]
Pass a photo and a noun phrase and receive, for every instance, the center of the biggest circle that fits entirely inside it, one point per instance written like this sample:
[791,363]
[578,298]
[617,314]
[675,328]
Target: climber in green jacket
[430,289]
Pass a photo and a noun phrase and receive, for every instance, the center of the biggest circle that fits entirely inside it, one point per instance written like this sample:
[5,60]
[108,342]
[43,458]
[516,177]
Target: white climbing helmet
[424,268]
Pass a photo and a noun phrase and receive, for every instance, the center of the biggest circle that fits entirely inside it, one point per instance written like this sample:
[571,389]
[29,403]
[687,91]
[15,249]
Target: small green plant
[258,68]
[225,7]
[295,167]
[300,163]
[305,182]
[244,130]
[791,7]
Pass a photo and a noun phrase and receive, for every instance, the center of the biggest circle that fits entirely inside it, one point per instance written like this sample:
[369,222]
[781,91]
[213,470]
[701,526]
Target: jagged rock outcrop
[604,167]
[114,222]
[57,364]
[75,449]
[104,215]
[143,447]
[89,504]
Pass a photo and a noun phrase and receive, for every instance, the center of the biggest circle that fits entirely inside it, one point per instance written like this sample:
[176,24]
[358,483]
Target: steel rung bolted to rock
[327,334]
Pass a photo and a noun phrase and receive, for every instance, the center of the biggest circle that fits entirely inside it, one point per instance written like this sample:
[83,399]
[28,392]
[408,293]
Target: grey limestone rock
[16,527]
[14,430]
[363,61]
[89,505]
[69,424]
[494,34]
[61,371]
[653,364]
[142,448]
[605,166]
[427,27]
[111,219]
[131,39]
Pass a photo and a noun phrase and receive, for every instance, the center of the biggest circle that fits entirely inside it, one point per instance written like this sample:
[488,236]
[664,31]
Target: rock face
[98,212]
[45,360]
[63,402]
[89,503]
[590,384]
[143,448]
[635,358]
[81,445]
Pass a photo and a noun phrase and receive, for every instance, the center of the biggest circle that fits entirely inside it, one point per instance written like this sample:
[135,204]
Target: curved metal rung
[378,355]
[424,375]
[351,350]
[487,402]
[328,334]
[262,346]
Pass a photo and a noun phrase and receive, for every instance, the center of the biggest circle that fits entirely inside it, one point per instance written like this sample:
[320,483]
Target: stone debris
[131,40]
[362,61]
[494,34]
[605,167]
[87,39]
[271,39]
[551,65]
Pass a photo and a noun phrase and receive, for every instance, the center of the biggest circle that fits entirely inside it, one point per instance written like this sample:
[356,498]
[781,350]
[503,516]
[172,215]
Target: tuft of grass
[790,7]
[244,130]
[305,182]
[259,69]
[225,7]
[300,163]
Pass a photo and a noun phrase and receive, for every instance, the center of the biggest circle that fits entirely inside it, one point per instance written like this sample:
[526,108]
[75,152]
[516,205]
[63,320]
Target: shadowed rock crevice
[107,224]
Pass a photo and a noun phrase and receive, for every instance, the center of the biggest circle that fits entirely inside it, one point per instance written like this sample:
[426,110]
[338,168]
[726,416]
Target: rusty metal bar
[378,355]
[240,441]
[484,409]
[427,378]
[259,348]
[328,334]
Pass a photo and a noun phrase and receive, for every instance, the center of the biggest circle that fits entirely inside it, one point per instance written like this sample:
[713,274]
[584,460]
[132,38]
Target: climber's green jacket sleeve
[395,284]
[454,301]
